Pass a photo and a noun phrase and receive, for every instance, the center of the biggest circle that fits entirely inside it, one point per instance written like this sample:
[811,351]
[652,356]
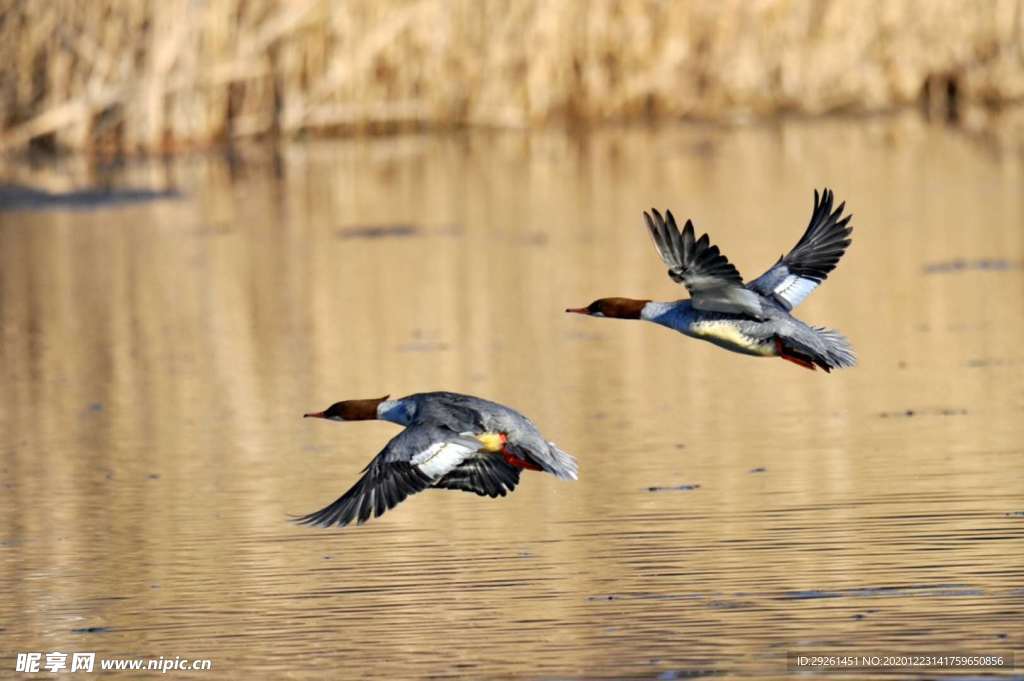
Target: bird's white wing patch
[441,457]
[793,289]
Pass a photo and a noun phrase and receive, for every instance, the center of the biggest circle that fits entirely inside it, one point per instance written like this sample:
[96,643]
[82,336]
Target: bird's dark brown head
[620,308]
[349,410]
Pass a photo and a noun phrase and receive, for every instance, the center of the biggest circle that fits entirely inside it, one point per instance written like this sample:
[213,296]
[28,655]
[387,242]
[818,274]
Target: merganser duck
[450,441]
[754,319]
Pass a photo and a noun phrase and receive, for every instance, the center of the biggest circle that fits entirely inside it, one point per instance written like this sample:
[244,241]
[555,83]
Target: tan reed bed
[152,75]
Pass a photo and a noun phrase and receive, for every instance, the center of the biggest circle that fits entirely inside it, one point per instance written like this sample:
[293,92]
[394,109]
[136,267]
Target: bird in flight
[450,441]
[752,319]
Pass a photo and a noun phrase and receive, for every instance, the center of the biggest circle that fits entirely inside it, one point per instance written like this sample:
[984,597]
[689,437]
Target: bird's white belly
[728,336]
[441,457]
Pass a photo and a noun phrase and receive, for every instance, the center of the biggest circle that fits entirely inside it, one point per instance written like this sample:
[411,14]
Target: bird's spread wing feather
[487,475]
[412,461]
[713,282]
[796,274]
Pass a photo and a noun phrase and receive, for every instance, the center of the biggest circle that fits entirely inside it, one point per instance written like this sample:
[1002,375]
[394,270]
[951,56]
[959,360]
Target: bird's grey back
[468,413]
[462,413]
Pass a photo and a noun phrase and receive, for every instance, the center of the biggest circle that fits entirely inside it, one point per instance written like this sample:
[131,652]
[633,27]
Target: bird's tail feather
[826,348]
[562,463]
[838,353]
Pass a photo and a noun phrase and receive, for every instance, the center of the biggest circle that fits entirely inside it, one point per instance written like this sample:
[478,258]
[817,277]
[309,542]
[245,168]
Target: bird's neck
[396,411]
[654,311]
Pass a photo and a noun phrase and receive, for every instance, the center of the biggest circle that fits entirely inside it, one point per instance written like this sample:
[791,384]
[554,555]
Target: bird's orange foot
[795,359]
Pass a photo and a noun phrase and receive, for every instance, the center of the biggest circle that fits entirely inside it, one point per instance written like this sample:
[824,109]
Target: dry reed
[150,75]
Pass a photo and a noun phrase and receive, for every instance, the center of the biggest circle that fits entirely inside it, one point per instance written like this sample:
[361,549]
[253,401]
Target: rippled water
[157,355]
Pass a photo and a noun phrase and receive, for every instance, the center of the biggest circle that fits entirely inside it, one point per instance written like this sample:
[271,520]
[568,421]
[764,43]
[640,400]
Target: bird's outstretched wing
[796,274]
[713,282]
[412,461]
[488,475]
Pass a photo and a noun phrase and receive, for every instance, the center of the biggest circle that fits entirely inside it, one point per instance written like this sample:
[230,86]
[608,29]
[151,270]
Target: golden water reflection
[157,357]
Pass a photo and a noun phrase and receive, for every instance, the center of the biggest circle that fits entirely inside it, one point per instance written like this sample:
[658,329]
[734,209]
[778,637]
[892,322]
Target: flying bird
[752,319]
[450,441]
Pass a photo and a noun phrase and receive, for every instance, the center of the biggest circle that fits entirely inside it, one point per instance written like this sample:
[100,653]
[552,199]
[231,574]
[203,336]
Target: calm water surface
[157,355]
